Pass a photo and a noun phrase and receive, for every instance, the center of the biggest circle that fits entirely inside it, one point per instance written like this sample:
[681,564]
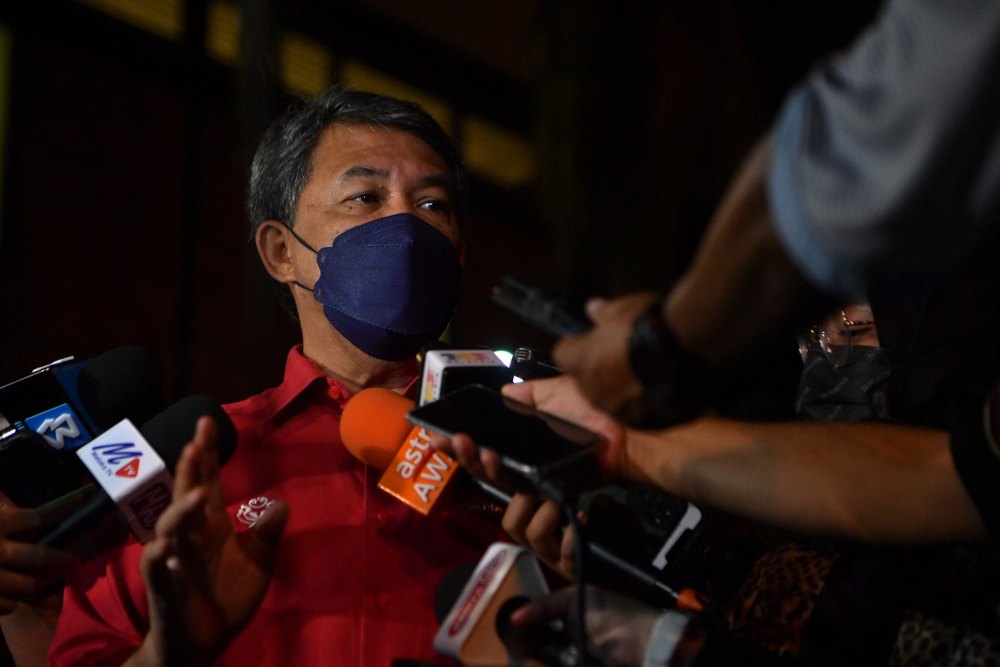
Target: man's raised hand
[204,582]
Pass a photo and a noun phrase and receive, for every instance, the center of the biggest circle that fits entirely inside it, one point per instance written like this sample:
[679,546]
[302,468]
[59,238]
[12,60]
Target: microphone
[474,614]
[70,402]
[468,631]
[445,370]
[134,468]
[374,429]
[65,405]
[636,532]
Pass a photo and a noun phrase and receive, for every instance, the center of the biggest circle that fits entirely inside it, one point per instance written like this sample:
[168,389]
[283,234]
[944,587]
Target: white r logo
[60,427]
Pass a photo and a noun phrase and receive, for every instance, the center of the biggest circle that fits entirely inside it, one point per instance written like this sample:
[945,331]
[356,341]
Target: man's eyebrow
[437,181]
[361,171]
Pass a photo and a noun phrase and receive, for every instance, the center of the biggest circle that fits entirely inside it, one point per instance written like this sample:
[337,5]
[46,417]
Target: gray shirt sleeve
[887,159]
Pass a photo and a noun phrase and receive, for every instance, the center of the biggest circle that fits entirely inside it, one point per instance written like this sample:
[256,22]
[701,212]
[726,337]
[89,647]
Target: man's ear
[272,246]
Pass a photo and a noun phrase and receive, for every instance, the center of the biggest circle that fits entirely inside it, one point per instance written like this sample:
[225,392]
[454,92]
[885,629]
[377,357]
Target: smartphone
[552,311]
[534,444]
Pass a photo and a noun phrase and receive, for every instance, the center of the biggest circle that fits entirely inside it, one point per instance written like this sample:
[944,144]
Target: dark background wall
[126,152]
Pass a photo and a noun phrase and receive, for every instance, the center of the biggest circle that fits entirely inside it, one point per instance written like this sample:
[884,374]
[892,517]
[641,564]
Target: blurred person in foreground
[880,176]
[355,203]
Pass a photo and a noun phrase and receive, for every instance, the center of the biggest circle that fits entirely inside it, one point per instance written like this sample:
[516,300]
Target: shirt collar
[302,374]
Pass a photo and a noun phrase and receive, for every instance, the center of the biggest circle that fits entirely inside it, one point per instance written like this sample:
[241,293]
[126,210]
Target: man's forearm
[871,482]
[741,287]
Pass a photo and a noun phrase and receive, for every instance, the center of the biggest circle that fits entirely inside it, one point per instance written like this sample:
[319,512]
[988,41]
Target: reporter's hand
[599,359]
[618,628]
[27,618]
[528,520]
[24,567]
[559,396]
[537,524]
[204,583]
[562,397]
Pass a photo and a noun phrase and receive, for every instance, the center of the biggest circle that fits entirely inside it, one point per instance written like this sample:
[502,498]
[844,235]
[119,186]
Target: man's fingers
[206,435]
[182,512]
[161,580]
[266,534]
[187,474]
[199,459]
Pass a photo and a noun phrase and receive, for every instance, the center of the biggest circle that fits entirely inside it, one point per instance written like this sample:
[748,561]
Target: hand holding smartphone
[537,446]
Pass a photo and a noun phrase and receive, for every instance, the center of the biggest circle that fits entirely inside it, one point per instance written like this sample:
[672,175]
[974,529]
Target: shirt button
[383,599]
[383,517]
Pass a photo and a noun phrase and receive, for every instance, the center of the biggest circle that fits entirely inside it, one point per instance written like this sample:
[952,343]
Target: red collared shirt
[356,570]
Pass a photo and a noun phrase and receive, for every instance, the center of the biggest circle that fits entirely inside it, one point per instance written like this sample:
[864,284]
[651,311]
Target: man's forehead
[357,151]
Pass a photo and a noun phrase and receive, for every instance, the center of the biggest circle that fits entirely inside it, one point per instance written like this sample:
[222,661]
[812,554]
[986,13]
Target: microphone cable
[555,491]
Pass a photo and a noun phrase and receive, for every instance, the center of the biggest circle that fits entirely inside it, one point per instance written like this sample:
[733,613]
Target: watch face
[653,348]
[675,382]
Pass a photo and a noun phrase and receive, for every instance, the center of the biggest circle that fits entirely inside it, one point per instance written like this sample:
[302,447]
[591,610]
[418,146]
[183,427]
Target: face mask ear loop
[308,247]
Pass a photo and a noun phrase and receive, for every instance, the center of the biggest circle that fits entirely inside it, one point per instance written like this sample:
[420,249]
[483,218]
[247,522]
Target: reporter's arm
[871,482]
[740,288]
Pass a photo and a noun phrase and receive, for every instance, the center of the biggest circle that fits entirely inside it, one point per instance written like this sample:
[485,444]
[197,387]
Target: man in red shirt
[355,202]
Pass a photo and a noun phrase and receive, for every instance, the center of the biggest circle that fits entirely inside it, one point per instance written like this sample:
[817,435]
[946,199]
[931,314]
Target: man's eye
[435,205]
[365,198]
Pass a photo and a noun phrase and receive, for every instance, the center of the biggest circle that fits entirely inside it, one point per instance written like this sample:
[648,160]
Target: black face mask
[852,393]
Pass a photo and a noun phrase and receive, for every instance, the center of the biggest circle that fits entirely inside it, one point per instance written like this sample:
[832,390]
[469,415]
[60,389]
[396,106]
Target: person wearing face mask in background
[845,371]
[355,202]
[873,605]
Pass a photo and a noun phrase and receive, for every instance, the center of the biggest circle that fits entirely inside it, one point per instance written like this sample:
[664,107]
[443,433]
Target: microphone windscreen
[121,383]
[450,587]
[374,427]
[169,431]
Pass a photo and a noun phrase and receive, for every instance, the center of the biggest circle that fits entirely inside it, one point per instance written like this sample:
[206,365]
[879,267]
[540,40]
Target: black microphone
[65,405]
[167,433]
[468,600]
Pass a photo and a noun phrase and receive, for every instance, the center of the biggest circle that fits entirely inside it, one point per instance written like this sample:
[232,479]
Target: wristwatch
[675,380]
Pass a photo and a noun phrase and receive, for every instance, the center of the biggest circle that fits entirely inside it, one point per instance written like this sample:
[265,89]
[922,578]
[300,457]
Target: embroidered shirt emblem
[251,511]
